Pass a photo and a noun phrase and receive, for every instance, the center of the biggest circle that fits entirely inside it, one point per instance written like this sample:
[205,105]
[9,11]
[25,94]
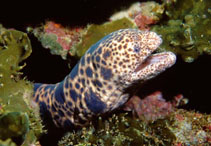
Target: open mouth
[159,61]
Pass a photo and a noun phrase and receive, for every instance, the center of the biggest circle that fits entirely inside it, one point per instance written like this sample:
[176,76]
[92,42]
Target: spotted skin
[98,83]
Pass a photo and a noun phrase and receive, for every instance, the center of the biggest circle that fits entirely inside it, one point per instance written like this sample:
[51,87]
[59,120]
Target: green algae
[186,29]
[95,32]
[17,119]
[7,142]
[13,124]
[15,47]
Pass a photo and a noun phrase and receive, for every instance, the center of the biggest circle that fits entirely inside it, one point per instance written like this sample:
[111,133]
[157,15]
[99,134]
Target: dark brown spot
[104,92]
[109,87]
[125,46]
[96,75]
[79,80]
[119,39]
[120,47]
[87,82]
[103,62]
[106,54]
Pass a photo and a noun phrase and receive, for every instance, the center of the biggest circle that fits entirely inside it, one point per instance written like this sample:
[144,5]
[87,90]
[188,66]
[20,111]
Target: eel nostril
[94,65]
[136,49]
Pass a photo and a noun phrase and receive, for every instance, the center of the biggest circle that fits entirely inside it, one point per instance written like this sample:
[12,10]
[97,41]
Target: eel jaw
[153,65]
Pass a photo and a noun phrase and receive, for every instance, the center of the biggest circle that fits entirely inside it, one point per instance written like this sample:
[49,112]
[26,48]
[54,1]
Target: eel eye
[136,49]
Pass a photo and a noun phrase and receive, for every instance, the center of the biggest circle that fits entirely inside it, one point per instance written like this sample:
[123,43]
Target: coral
[186,29]
[160,123]
[129,13]
[180,127]
[142,14]
[57,38]
[143,21]
[18,117]
[75,41]
[191,128]
[154,106]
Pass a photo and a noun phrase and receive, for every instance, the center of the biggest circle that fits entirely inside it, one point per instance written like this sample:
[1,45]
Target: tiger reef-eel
[99,81]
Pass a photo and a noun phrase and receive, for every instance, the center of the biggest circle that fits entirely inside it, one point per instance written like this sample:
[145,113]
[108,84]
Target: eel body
[99,81]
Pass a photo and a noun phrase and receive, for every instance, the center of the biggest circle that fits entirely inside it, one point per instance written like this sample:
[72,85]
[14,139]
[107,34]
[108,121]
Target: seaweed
[186,28]
[18,115]
[7,142]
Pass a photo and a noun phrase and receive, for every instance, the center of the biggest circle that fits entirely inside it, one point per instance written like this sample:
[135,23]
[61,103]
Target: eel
[99,81]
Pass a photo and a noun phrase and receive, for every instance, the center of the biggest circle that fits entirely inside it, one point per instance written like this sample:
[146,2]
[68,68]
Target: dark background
[190,79]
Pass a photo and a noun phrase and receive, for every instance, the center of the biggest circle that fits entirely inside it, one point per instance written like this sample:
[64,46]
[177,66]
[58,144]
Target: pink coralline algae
[191,128]
[65,37]
[141,14]
[150,14]
[143,21]
[153,106]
